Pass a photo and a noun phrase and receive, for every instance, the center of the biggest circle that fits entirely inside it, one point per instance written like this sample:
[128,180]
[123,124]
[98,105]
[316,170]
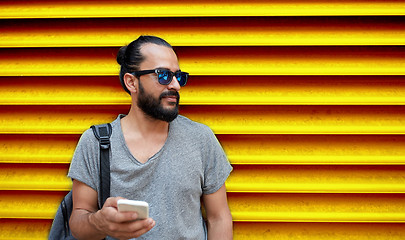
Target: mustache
[171,93]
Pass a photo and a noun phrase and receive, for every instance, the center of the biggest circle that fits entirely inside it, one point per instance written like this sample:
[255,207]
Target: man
[157,156]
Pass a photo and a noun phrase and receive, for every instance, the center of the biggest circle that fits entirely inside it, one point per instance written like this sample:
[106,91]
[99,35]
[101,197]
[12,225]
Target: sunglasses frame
[160,71]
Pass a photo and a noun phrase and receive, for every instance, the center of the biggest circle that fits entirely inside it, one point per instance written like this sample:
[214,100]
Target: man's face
[155,100]
[153,107]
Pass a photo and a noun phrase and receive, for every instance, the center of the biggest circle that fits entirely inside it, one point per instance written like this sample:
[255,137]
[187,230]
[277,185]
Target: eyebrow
[163,68]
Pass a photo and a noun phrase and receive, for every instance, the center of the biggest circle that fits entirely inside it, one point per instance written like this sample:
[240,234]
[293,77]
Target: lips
[171,99]
[171,95]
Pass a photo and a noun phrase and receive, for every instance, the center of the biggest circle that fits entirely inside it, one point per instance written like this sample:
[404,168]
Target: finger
[142,226]
[133,229]
[114,215]
[112,202]
[111,213]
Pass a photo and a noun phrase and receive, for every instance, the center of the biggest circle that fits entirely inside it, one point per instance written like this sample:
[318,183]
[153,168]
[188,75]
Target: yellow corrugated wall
[306,97]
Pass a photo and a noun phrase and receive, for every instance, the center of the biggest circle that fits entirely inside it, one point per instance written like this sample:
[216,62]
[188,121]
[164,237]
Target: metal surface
[236,31]
[248,179]
[212,90]
[128,8]
[382,60]
[269,207]
[306,97]
[19,229]
[222,119]
[241,149]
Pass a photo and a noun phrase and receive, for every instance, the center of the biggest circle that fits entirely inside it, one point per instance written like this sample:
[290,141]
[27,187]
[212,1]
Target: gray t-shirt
[190,163]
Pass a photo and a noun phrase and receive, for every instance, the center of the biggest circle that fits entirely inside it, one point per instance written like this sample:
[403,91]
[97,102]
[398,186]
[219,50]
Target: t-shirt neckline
[126,148]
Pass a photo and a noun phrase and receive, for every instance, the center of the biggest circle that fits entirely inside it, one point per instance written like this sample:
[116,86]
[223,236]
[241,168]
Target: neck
[138,122]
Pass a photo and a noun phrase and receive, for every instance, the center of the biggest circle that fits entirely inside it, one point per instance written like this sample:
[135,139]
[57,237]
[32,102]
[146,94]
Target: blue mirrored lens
[165,77]
[182,78]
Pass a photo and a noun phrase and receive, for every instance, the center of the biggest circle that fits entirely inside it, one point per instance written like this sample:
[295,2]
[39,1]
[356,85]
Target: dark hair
[130,57]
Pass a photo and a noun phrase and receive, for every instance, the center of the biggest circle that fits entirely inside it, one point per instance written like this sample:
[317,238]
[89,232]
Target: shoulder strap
[103,134]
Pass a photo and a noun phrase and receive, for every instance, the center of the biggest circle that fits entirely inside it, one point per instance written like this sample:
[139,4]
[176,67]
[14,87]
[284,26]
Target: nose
[174,84]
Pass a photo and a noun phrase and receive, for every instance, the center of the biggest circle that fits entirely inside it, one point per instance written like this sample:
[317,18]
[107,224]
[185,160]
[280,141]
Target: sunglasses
[165,76]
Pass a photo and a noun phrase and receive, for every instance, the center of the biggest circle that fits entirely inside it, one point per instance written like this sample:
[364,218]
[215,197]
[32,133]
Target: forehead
[157,56]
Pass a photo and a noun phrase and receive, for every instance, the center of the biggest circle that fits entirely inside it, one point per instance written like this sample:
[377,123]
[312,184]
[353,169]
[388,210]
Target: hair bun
[121,55]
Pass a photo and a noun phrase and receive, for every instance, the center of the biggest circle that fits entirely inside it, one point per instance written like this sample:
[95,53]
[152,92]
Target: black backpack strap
[60,226]
[66,215]
[103,134]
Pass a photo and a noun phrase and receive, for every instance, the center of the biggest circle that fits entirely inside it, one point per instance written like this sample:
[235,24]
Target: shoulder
[88,136]
[88,143]
[182,123]
[186,130]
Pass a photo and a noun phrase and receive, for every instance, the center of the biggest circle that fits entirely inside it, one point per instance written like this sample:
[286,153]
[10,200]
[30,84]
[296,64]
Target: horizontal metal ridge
[18,229]
[314,149]
[282,60]
[222,119]
[318,231]
[244,178]
[50,149]
[254,149]
[130,8]
[212,90]
[302,207]
[31,177]
[269,207]
[194,31]
[317,179]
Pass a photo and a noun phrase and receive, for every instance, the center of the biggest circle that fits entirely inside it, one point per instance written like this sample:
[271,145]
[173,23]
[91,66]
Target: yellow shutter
[306,97]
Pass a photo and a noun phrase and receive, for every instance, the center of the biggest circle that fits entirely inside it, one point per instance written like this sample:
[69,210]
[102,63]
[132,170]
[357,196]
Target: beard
[153,108]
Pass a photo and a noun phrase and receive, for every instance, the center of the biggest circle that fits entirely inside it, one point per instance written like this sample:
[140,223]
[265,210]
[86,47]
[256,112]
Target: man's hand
[121,225]
[87,222]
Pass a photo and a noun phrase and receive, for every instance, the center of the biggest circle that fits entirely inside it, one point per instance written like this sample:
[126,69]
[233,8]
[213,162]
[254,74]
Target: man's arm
[219,217]
[87,222]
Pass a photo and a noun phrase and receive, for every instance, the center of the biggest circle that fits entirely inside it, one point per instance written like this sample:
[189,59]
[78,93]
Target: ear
[131,82]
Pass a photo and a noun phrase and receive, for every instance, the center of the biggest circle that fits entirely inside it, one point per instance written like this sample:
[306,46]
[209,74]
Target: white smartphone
[141,207]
